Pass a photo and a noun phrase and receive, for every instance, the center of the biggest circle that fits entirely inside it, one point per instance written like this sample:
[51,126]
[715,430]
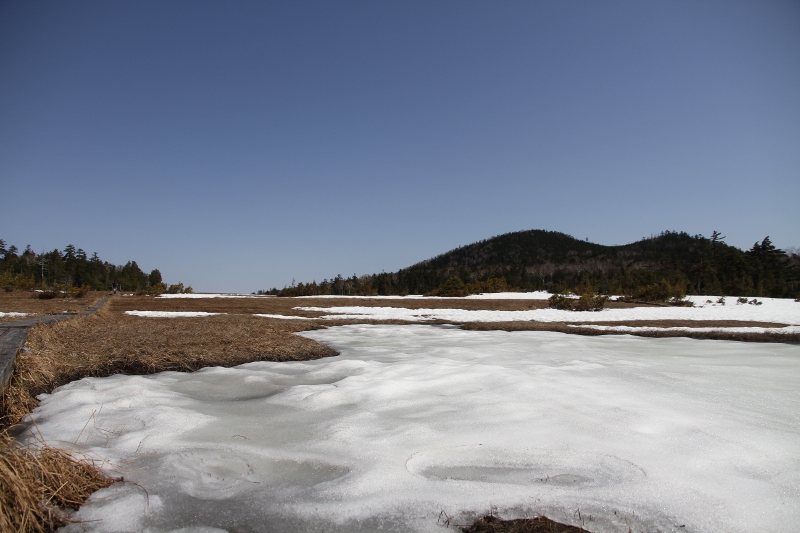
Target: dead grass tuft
[38,483]
[538,524]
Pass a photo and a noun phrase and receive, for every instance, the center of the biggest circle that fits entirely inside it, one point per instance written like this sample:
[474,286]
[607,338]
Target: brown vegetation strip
[105,344]
[538,524]
[686,324]
[286,306]
[25,302]
[38,483]
[564,327]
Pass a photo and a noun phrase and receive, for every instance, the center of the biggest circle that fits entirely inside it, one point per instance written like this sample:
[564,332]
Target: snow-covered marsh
[408,421]
[780,310]
[170,314]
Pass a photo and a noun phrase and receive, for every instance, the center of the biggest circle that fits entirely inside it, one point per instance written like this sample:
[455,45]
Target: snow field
[170,314]
[408,421]
[779,310]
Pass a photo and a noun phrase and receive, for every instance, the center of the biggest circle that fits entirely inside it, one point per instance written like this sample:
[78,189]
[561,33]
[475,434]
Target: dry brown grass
[285,306]
[24,302]
[566,327]
[37,484]
[109,343]
[538,524]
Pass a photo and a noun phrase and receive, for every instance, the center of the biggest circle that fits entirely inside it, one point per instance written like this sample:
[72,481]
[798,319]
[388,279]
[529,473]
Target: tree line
[72,267]
[671,264]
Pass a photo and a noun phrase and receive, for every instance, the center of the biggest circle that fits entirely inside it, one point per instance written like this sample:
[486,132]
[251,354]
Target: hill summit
[549,260]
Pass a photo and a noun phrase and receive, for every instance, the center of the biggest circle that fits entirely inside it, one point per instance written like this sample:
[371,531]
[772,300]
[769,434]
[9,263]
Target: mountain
[549,260]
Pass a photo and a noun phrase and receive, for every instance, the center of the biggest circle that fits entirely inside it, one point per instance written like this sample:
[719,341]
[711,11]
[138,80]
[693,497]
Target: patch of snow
[780,310]
[286,317]
[536,295]
[171,314]
[409,421]
[12,313]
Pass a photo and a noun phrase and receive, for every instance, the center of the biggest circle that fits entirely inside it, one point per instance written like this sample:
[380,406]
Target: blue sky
[238,145]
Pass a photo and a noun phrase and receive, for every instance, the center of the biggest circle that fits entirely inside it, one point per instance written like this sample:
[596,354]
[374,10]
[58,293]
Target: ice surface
[170,314]
[409,421]
[779,310]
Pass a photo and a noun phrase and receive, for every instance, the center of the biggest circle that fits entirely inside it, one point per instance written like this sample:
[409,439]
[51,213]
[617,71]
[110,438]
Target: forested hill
[69,268]
[549,260]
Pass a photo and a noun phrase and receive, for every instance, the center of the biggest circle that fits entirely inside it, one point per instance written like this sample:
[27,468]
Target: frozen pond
[409,421]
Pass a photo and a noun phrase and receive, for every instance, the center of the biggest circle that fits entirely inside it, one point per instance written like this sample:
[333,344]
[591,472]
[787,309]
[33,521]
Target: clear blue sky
[238,145]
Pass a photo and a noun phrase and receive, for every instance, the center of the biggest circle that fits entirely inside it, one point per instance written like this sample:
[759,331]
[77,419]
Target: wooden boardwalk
[13,335]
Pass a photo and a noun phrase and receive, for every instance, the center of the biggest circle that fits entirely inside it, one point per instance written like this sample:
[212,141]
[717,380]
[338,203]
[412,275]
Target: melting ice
[611,432]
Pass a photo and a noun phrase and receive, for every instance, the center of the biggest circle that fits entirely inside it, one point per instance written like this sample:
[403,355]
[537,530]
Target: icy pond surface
[409,421]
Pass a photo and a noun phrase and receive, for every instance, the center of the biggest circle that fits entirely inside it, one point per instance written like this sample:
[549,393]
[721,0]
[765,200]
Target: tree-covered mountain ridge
[557,262]
[72,267]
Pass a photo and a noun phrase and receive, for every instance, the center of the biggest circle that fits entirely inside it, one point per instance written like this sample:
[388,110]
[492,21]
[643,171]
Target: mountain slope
[549,260]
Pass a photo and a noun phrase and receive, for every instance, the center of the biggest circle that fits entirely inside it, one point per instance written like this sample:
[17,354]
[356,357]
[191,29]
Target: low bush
[45,295]
[178,288]
[663,291]
[77,292]
[9,281]
[153,290]
[452,287]
[561,301]
[590,302]
[491,285]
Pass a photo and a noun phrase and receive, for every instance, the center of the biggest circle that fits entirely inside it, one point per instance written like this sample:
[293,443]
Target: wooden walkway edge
[13,335]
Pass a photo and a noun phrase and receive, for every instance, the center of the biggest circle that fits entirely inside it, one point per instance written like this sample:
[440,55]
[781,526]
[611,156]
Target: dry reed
[24,302]
[538,524]
[38,484]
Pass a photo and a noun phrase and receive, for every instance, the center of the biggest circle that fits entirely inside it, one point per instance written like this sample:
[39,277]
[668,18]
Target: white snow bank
[12,313]
[536,295]
[780,310]
[171,314]
[285,317]
[639,433]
